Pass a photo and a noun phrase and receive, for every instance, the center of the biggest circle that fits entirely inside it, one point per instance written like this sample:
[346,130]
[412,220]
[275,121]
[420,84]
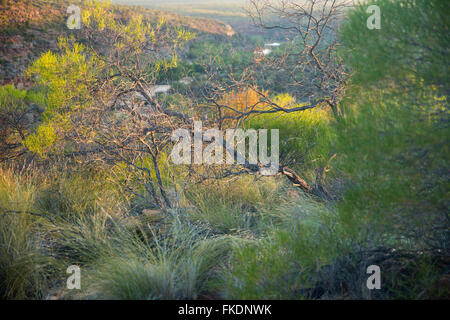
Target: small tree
[99,99]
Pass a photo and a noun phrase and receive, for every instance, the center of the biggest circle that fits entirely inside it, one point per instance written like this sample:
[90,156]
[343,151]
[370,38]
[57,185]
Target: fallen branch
[295,178]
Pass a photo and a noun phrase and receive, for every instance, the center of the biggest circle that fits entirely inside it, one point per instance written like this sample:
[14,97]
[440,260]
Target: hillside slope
[29,28]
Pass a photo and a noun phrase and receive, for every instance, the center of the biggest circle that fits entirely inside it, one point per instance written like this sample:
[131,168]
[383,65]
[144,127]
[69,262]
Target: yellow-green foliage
[66,76]
[14,125]
[42,140]
[99,13]
[11,97]
[132,35]
[304,136]
[65,80]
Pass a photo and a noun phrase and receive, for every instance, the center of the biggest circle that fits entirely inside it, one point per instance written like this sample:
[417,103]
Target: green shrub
[392,154]
[283,264]
[392,140]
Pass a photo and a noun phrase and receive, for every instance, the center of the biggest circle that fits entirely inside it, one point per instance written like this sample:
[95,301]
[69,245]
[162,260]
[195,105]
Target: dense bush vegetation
[141,227]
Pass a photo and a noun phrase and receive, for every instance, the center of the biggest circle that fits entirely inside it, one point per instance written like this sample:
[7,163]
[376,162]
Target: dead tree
[310,62]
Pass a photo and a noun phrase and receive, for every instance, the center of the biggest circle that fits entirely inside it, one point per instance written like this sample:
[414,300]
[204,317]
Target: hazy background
[219,9]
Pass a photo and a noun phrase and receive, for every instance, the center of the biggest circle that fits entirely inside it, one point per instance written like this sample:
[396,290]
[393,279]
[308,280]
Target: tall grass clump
[24,262]
[87,206]
[176,264]
[49,222]
[233,205]
[284,264]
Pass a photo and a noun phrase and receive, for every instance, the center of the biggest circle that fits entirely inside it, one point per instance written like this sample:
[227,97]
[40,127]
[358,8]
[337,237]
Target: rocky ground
[27,28]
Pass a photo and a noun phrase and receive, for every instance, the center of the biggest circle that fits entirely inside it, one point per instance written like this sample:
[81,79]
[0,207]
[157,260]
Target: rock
[153,215]
[293,195]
